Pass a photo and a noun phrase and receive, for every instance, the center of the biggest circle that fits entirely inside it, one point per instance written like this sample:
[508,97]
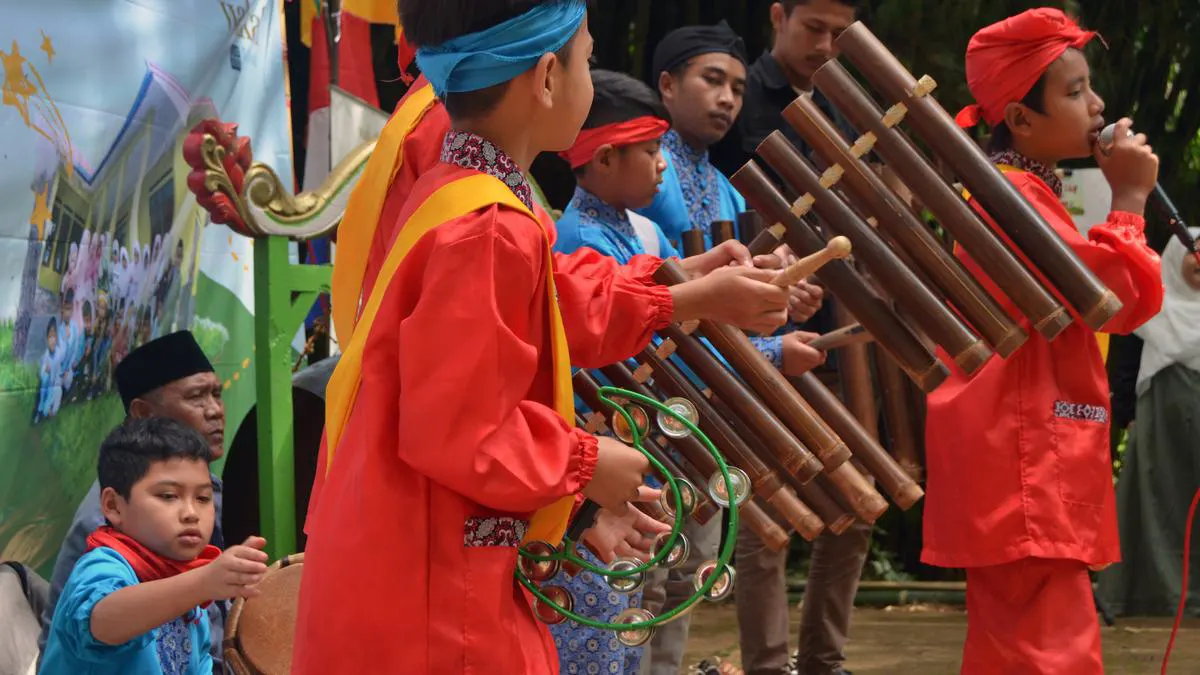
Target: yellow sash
[361,219]
[451,201]
[1101,338]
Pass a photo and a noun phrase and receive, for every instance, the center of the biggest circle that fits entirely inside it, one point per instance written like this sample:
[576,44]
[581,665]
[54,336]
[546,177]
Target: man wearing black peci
[803,35]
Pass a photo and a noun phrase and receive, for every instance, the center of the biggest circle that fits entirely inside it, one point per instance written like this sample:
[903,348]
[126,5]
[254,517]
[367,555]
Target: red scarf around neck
[148,565]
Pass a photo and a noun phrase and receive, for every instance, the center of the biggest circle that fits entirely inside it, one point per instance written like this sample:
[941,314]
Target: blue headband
[504,51]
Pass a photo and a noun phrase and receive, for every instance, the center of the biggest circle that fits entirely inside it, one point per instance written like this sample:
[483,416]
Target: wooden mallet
[836,249]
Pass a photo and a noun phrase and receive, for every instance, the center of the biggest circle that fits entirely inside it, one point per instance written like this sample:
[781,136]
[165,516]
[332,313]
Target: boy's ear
[112,505]
[1017,118]
[544,81]
[603,159]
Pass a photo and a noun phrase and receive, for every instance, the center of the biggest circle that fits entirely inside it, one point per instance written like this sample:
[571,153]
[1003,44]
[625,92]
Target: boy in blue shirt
[134,603]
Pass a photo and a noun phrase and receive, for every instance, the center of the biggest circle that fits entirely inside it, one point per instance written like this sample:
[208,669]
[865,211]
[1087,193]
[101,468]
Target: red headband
[1005,60]
[636,130]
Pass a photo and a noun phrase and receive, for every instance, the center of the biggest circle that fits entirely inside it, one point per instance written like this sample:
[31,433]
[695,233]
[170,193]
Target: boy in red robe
[450,435]
[1020,487]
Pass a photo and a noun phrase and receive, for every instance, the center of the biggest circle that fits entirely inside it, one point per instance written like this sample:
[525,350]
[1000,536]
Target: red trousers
[1031,617]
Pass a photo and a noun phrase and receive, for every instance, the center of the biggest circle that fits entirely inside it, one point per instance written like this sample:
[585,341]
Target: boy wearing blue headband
[450,432]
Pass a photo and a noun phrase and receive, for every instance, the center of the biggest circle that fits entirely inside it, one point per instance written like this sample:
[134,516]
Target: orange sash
[452,201]
[361,219]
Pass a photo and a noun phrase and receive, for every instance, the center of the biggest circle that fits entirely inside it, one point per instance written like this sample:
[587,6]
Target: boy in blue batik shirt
[618,165]
[134,603]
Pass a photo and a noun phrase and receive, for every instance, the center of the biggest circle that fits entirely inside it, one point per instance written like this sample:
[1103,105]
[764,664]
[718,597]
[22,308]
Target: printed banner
[102,246]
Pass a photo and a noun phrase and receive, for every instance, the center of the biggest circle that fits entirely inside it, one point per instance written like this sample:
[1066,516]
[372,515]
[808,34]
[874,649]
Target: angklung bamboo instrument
[850,288]
[771,534]
[892,478]
[926,309]
[691,242]
[1018,219]
[902,227]
[722,230]
[765,481]
[1047,315]
[898,414]
[781,398]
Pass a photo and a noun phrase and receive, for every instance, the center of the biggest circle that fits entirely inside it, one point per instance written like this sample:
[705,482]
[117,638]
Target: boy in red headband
[1020,487]
[134,603]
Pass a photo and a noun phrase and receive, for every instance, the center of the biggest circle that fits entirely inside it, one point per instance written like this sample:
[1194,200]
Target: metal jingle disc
[549,614]
[679,552]
[724,585]
[741,487]
[538,571]
[672,427]
[634,637]
[626,584]
[687,494]
[621,427]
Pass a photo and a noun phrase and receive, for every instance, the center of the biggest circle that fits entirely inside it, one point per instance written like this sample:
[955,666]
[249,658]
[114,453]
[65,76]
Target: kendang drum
[259,631]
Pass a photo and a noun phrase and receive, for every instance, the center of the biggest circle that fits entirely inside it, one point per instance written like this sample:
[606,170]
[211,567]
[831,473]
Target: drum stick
[837,248]
[843,337]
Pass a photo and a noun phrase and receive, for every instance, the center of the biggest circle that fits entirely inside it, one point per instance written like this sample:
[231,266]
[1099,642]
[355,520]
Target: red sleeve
[471,353]
[610,311]
[1116,252]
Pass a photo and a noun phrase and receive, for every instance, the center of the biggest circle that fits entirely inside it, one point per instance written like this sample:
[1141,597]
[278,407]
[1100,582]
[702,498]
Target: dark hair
[1001,138]
[52,327]
[620,98]
[87,308]
[129,451]
[428,23]
[789,5]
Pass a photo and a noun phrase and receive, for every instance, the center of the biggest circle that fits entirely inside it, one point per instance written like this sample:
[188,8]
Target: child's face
[638,171]
[706,98]
[170,510]
[1073,117]
[569,89]
[52,339]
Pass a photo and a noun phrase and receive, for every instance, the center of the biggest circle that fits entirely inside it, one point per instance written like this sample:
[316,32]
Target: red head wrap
[1005,60]
[636,130]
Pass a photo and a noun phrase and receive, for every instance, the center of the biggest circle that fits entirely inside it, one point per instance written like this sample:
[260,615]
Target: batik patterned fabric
[591,651]
[1017,160]
[698,179]
[475,152]
[173,642]
[595,212]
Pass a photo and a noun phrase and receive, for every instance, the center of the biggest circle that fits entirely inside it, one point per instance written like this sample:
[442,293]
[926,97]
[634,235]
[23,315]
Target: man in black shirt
[804,32]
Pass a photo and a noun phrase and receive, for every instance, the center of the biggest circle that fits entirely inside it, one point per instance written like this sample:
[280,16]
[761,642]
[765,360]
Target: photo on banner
[102,245]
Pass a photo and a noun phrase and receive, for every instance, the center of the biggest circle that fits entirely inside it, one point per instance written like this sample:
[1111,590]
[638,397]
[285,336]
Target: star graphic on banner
[41,211]
[48,47]
[17,87]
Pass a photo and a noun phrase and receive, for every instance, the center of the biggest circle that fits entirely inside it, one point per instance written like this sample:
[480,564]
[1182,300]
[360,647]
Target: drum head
[259,631]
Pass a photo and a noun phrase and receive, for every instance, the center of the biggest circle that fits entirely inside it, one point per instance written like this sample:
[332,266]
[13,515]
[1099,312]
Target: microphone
[1162,202]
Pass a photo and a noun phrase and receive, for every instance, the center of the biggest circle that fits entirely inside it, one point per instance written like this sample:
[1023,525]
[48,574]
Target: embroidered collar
[697,181]
[1019,161]
[596,211]
[470,151]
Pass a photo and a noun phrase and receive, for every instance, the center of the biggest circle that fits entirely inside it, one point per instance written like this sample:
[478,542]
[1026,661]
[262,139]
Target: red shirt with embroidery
[1018,455]
[453,442]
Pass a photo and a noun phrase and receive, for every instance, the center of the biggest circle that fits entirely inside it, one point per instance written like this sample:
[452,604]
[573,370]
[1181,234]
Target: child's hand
[630,536]
[729,252]
[746,298]
[620,473]
[798,356]
[237,572]
[1131,168]
[805,301]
